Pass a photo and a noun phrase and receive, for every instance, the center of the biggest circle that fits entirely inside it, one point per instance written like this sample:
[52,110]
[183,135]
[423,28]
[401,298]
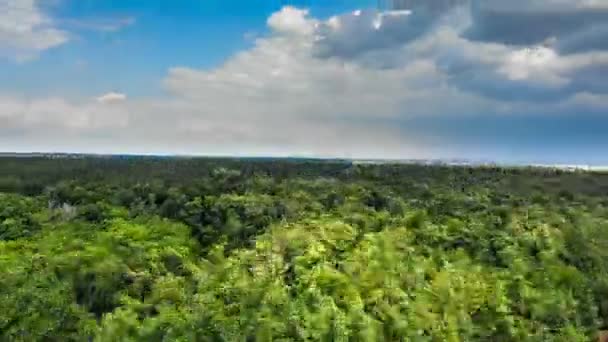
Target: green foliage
[17,217]
[229,250]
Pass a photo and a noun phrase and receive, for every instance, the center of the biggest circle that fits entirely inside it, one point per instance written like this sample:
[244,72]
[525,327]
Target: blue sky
[135,59]
[317,78]
[163,34]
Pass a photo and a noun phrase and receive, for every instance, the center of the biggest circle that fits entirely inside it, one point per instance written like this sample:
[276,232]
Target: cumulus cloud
[356,84]
[513,72]
[292,20]
[25,30]
[111,97]
[361,32]
[356,33]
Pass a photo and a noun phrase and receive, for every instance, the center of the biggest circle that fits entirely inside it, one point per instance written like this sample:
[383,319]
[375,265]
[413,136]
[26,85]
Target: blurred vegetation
[160,249]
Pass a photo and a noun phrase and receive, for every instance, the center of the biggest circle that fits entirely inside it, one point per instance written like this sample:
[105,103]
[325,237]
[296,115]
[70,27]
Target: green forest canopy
[162,249]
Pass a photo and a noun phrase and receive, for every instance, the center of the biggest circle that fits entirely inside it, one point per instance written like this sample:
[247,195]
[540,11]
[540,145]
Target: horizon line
[438,161]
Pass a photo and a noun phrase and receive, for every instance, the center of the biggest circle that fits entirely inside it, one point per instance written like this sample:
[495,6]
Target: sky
[519,81]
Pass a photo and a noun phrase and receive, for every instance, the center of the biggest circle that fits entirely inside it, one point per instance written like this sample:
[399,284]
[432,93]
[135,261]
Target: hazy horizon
[446,160]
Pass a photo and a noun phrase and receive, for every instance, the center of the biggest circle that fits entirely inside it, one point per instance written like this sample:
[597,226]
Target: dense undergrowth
[258,250]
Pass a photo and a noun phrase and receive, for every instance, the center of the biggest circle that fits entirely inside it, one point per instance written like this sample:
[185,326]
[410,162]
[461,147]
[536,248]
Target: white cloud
[59,115]
[101,24]
[524,73]
[25,30]
[588,100]
[292,20]
[336,87]
[529,63]
[111,97]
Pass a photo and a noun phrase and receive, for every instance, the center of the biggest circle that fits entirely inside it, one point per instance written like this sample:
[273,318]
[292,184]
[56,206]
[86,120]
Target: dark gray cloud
[363,32]
[590,38]
[569,26]
[525,28]
[351,35]
[574,25]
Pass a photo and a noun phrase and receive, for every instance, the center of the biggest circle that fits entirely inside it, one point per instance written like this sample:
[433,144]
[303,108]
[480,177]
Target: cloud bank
[361,84]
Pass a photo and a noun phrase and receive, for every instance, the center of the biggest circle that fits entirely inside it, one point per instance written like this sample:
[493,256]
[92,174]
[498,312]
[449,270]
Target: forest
[219,249]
